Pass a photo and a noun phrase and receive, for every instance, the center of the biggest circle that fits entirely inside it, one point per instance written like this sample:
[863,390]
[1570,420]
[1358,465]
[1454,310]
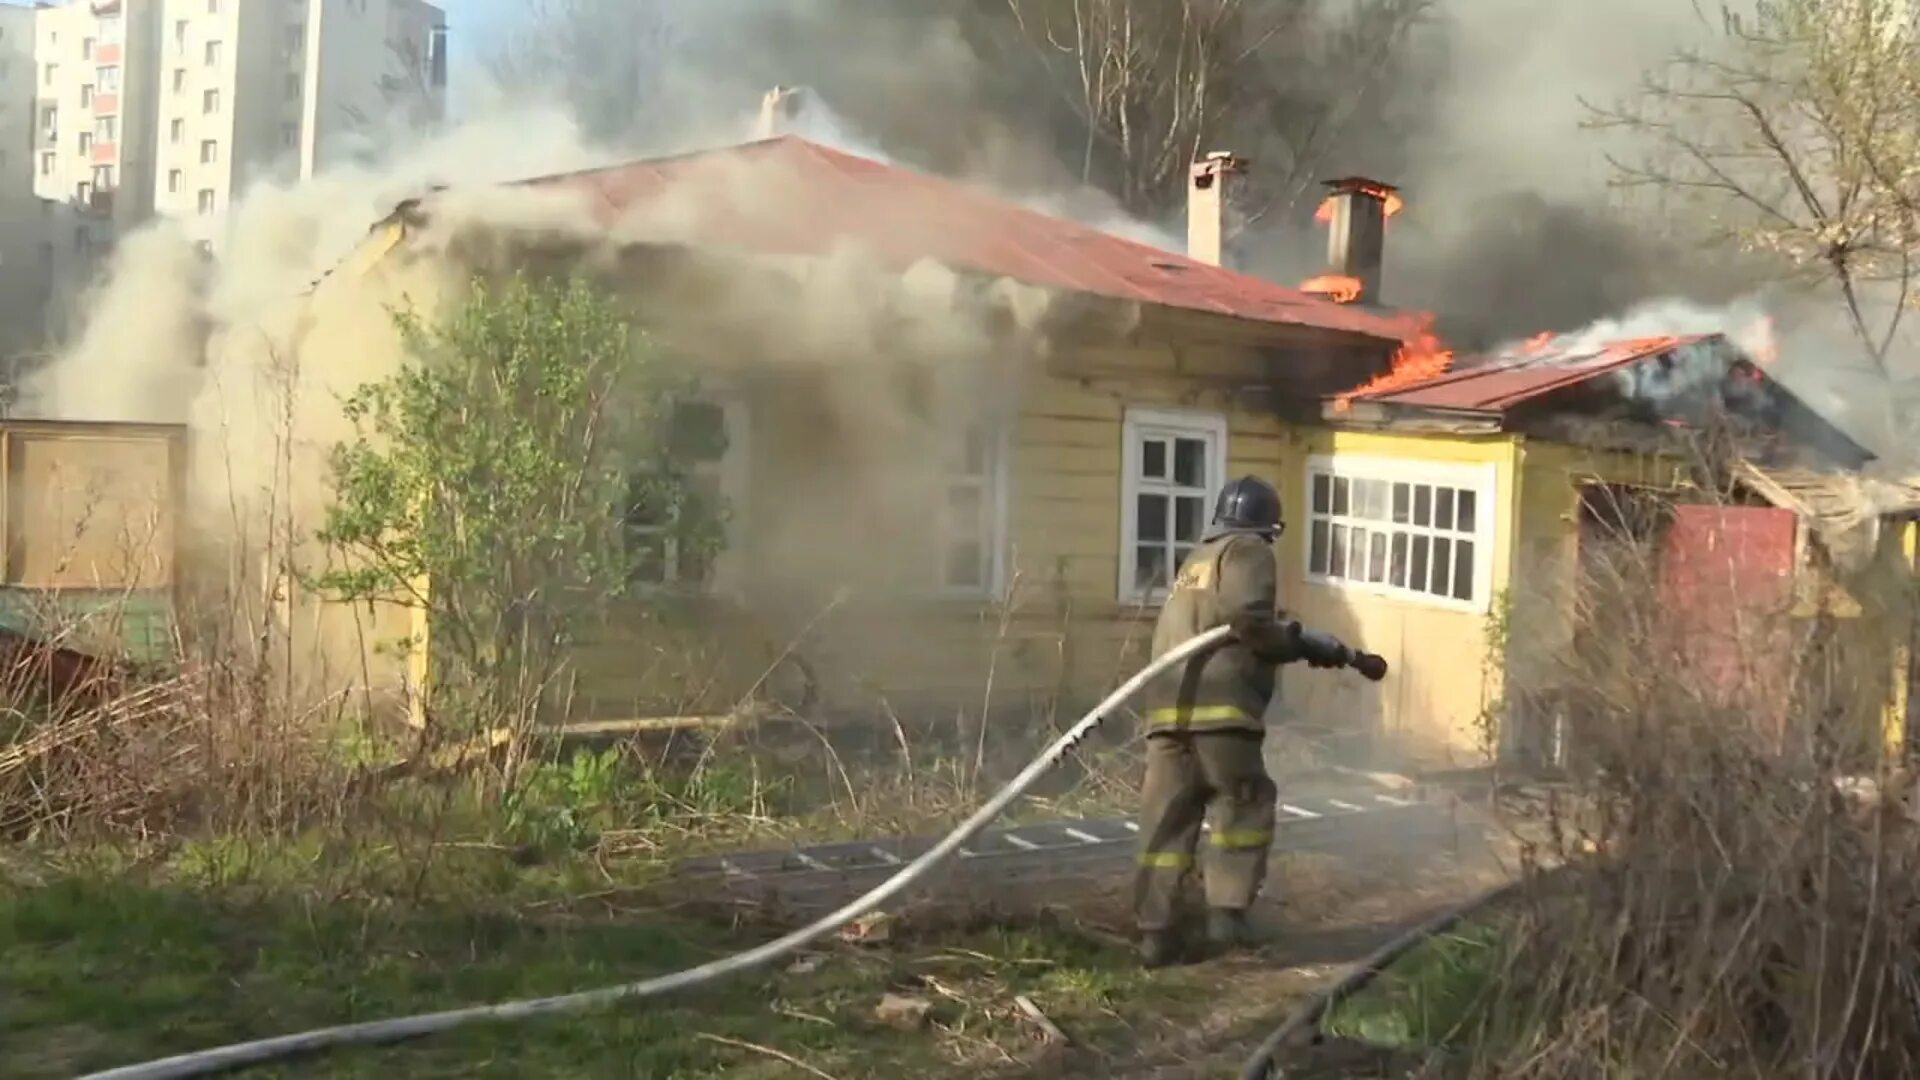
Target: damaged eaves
[1656,395]
[1845,510]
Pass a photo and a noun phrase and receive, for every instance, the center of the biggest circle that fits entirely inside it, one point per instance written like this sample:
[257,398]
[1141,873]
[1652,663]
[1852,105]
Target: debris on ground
[870,929]
[903,1011]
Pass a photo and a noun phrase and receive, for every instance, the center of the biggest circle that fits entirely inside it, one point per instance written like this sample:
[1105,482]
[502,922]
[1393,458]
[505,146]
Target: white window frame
[1481,479]
[732,480]
[990,531]
[1142,423]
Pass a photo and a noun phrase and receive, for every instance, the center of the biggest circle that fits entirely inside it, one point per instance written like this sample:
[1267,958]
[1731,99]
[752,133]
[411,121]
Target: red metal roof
[789,196]
[1531,372]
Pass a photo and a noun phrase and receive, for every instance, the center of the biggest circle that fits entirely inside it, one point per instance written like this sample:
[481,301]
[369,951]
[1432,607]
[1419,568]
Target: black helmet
[1248,504]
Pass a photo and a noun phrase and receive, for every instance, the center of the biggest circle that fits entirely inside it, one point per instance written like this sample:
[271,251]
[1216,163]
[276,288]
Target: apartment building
[274,89]
[24,277]
[175,106]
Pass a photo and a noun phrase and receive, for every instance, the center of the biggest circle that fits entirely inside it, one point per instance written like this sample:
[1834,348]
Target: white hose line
[241,1055]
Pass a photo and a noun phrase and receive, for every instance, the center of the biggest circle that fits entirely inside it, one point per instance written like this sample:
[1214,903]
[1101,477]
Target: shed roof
[790,196]
[1655,373]
[1532,372]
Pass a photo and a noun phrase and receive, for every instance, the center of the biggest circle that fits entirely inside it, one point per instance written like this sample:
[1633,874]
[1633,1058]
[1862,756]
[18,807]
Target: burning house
[964,444]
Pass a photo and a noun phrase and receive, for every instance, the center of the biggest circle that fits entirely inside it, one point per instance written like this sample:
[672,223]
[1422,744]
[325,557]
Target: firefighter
[1205,727]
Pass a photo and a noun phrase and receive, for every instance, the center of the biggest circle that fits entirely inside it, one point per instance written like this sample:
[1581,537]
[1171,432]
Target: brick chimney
[1207,193]
[778,110]
[1356,213]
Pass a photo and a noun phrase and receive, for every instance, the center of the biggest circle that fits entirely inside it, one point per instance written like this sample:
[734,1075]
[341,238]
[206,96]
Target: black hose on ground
[1309,1013]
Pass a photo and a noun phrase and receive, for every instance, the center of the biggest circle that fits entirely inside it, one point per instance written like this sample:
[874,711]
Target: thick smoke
[1510,228]
[254,343]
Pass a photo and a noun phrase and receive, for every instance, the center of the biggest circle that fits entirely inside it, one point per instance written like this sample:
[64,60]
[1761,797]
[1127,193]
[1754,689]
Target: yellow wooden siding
[382,651]
[1062,630]
[1431,705]
[1904,547]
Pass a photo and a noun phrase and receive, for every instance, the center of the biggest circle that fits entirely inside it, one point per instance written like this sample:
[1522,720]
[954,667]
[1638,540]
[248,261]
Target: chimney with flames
[779,110]
[1355,213]
[1207,206]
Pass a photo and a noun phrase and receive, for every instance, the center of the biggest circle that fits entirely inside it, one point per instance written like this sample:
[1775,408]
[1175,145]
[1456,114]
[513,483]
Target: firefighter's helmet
[1248,504]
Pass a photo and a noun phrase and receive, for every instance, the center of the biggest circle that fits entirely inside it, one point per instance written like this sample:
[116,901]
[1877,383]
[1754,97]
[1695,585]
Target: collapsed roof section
[1607,392]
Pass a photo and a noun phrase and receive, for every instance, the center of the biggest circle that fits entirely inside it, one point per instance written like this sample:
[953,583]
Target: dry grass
[1738,908]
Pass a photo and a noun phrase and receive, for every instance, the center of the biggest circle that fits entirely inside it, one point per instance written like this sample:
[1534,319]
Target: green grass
[1427,998]
[116,954]
[105,961]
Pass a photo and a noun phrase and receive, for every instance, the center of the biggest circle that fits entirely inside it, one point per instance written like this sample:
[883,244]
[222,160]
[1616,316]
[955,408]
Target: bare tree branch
[1800,134]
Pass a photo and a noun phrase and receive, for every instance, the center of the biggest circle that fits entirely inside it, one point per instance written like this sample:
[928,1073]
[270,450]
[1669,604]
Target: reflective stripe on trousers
[1201,716]
[1218,777]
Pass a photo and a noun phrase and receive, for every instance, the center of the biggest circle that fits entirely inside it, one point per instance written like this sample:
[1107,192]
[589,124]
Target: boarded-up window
[90,512]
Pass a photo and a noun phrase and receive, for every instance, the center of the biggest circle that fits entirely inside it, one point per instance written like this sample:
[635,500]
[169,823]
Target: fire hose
[283,1047]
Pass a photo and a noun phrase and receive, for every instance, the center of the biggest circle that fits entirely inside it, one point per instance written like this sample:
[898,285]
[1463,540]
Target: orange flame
[1537,344]
[1421,355]
[1394,202]
[1338,288]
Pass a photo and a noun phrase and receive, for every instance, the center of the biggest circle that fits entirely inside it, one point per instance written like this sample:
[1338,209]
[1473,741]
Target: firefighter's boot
[1158,948]
[1229,929]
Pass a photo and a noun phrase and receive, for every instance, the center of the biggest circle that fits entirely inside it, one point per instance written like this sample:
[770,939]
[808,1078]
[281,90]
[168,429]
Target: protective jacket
[1228,580]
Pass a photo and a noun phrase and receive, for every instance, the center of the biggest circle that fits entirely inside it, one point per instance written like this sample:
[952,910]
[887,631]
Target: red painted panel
[1727,577]
[106,104]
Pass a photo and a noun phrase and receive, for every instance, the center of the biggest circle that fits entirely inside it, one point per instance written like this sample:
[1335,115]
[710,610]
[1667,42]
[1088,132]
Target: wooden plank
[1036,430]
[1086,460]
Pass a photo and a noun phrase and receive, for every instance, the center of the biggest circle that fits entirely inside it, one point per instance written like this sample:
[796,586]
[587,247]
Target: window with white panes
[1174,464]
[1401,528]
[971,513]
[707,454]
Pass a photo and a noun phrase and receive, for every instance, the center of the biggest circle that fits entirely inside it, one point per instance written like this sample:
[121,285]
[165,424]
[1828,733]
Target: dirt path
[1329,911]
